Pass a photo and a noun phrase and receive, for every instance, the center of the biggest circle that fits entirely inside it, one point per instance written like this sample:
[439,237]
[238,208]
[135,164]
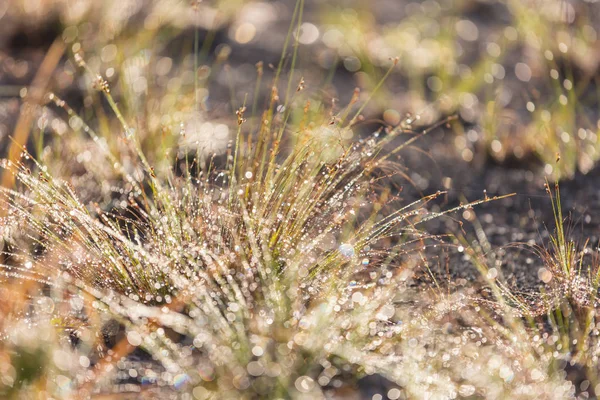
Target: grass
[511,73]
[244,259]
[152,250]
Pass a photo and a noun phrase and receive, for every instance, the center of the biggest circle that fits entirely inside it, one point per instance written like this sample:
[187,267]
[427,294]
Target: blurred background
[521,75]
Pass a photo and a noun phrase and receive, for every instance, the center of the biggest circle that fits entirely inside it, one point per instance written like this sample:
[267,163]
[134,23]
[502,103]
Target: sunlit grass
[151,249]
[271,265]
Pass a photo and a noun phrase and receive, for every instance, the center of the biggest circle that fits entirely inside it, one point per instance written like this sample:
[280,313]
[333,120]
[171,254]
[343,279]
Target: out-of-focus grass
[517,70]
[520,75]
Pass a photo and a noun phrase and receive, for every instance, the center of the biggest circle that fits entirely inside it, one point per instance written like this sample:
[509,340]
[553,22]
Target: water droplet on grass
[346,250]
[134,338]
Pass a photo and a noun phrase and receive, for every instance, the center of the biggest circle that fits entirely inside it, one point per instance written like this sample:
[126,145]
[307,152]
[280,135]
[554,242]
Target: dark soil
[511,225]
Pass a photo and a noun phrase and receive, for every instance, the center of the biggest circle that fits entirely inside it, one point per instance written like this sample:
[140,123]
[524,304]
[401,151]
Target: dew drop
[180,380]
[346,250]
[134,338]
[304,384]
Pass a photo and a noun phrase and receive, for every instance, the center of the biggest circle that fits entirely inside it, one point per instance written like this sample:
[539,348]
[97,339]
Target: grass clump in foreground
[264,277]
[283,269]
[279,275]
